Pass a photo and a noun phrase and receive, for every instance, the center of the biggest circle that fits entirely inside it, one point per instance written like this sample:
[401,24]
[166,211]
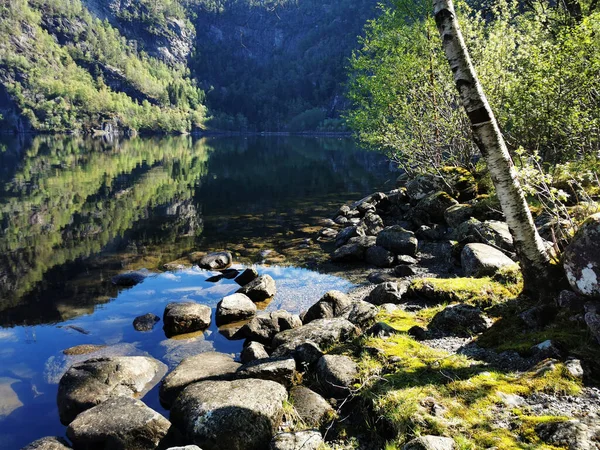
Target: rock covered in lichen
[582,258]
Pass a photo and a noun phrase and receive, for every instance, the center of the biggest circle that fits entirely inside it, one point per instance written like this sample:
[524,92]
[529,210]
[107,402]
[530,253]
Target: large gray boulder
[253,351]
[398,240]
[260,289]
[389,292]
[313,409]
[582,258]
[264,327]
[379,257]
[457,214]
[372,224]
[354,249]
[281,370]
[299,440]
[94,381]
[430,210]
[216,261]
[120,423]
[336,374]
[234,308]
[347,233]
[480,260]
[460,320]
[232,415]
[202,367]
[575,434]
[360,313]
[48,443]
[322,332]
[430,443]
[489,232]
[330,305]
[186,317]
[423,185]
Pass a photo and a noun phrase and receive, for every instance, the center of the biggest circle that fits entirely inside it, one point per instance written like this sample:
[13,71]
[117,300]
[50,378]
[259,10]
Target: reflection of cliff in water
[71,198]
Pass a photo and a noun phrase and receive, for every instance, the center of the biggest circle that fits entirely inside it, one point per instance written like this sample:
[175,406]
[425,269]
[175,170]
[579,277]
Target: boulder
[582,258]
[389,292]
[336,374]
[430,443]
[403,271]
[457,214]
[571,301]
[488,232]
[281,370]
[247,276]
[120,423]
[233,415]
[592,319]
[434,232]
[372,224]
[322,332]
[264,327]
[306,355]
[379,257]
[381,330]
[129,279]
[48,443]
[398,240]
[186,317]
[253,351]
[423,185]
[575,434]
[405,260]
[234,308]
[313,409]
[381,277]
[94,381]
[260,289]
[354,250]
[346,234]
[298,440]
[460,320]
[216,261]
[430,209]
[145,322]
[480,260]
[202,367]
[360,313]
[330,305]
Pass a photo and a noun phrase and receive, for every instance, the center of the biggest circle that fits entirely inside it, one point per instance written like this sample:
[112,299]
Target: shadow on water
[74,212]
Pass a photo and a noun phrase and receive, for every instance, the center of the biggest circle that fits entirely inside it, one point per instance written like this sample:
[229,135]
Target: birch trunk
[535,262]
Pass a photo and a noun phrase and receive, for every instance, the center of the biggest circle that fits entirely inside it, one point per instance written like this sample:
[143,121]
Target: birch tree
[535,262]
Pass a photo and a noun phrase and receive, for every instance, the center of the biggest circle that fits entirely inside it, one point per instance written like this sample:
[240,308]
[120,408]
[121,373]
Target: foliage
[93,77]
[538,70]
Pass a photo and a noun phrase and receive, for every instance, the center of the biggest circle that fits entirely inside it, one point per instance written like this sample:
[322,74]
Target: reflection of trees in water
[70,197]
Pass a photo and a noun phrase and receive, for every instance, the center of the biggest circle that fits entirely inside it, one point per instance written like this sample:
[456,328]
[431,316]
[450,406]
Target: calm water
[75,212]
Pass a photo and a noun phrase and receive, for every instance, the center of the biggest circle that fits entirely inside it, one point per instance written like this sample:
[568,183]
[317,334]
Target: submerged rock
[9,400]
[202,367]
[84,349]
[216,261]
[145,322]
[480,260]
[234,308]
[48,443]
[120,423]
[129,279]
[259,289]
[582,258]
[233,415]
[336,374]
[313,409]
[186,317]
[92,382]
[299,440]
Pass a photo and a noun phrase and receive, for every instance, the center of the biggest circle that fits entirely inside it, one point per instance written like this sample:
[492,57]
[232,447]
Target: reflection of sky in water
[31,359]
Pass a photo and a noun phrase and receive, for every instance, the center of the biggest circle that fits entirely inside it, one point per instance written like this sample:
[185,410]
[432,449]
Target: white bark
[530,249]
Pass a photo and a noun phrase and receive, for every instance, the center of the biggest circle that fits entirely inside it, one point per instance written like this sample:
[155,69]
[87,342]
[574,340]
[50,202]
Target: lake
[74,212]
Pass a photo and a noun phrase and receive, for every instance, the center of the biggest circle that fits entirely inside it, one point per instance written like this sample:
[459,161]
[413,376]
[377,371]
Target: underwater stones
[216,261]
[9,400]
[460,320]
[336,373]
[94,381]
[186,317]
[253,351]
[298,440]
[388,292]
[398,240]
[330,305]
[234,415]
[379,257]
[480,260]
[430,443]
[322,332]
[281,370]
[248,275]
[234,308]
[145,322]
[582,258]
[48,443]
[120,423]
[129,279]
[202,367]
[313,409]
[260,289]
[83,349]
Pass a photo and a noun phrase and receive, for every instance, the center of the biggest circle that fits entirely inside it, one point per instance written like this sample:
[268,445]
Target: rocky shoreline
[438,262]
